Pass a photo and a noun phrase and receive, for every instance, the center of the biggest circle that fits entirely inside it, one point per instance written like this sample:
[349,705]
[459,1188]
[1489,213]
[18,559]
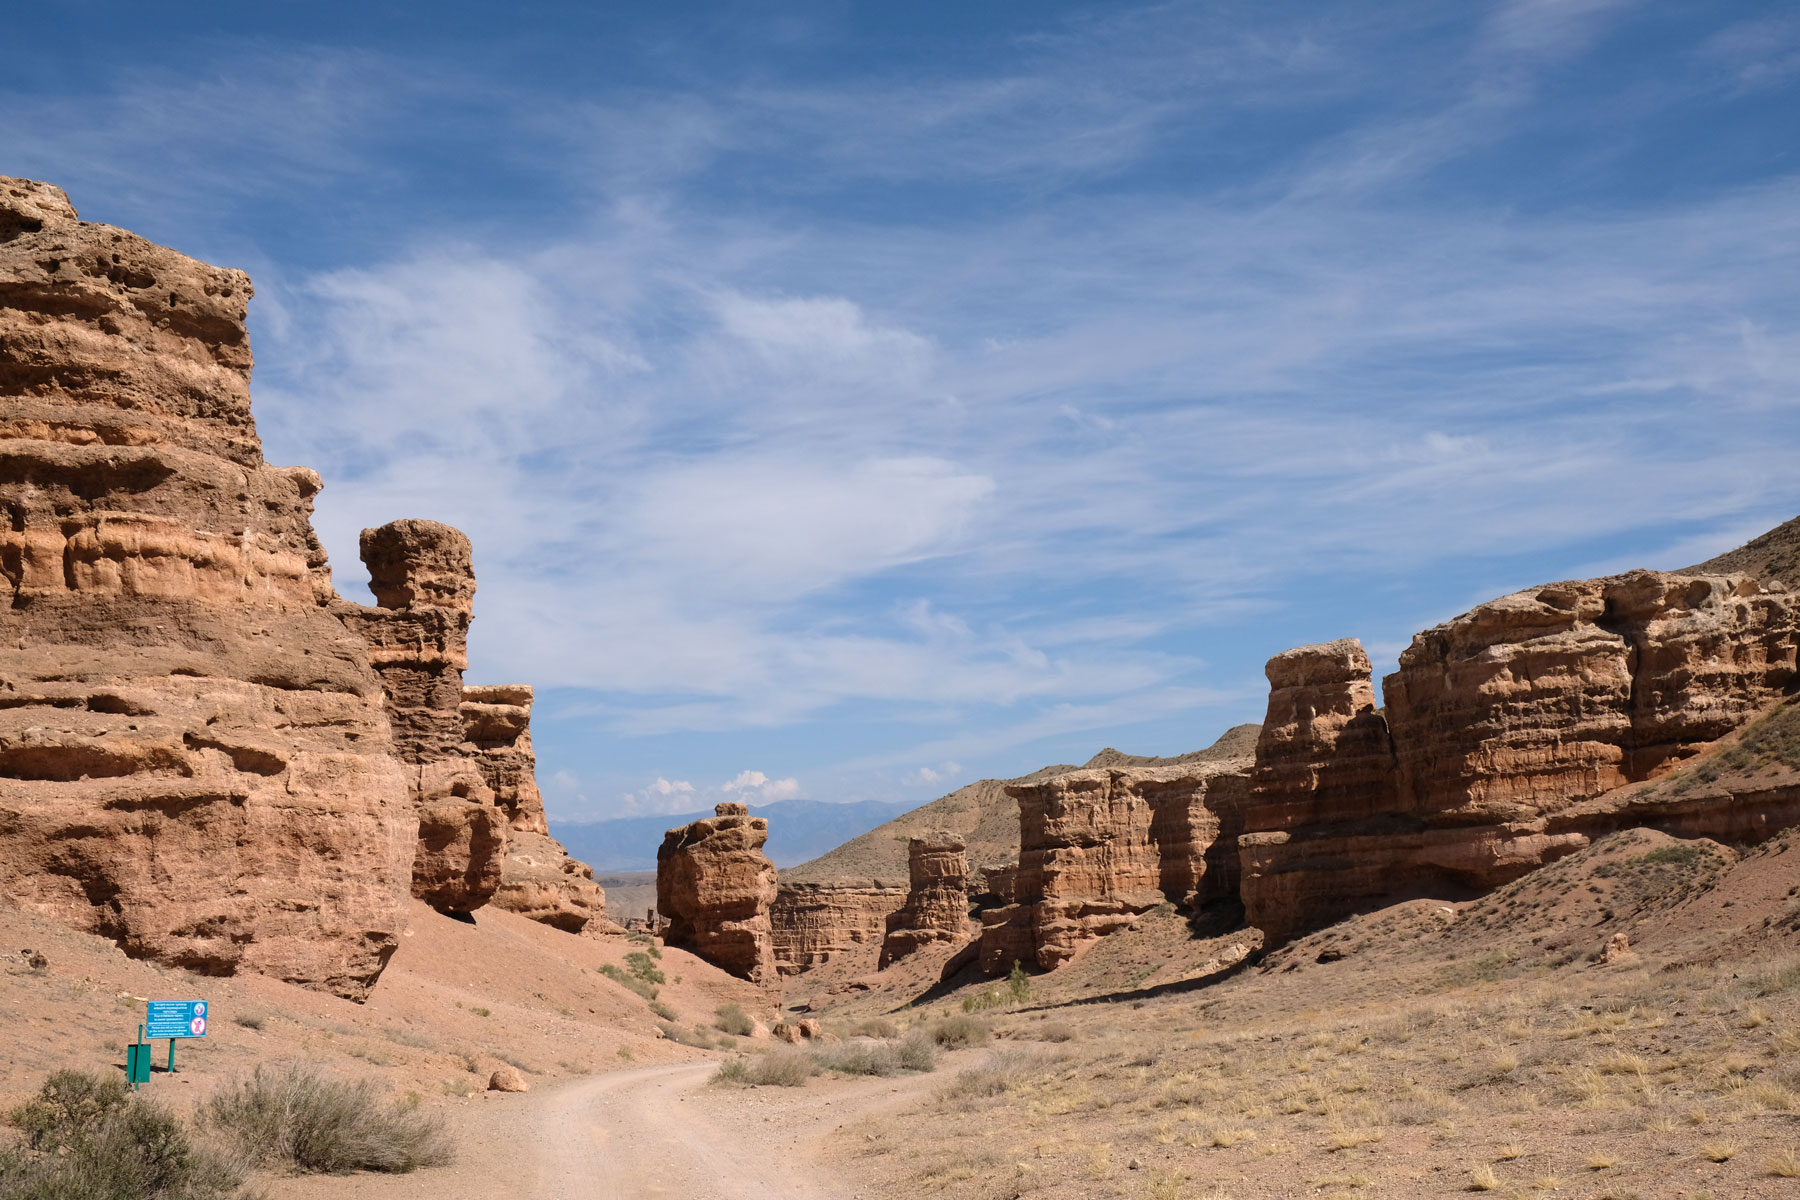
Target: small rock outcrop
[823,921]
[1098,847]
[714,887]
[194,757]
[423,577]
[937,900]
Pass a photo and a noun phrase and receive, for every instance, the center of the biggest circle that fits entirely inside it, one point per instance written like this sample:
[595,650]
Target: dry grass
[305,1121]
[778,1068]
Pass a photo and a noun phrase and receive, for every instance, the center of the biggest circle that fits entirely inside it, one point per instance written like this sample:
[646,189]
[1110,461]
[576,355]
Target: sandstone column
[423,577]
[714,887]
[937,902]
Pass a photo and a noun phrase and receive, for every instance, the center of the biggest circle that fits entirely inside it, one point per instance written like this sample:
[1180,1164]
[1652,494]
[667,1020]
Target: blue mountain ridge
[799,830]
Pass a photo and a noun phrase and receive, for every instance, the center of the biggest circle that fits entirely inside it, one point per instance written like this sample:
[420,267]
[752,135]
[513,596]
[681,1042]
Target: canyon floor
[1509,1044]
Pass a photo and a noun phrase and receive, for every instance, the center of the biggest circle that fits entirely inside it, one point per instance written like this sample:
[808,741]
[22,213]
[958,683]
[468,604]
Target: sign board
[175,1019]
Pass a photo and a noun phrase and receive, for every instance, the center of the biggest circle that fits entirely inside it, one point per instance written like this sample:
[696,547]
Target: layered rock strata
[423,577]
[538,879]
[715,887]
[194,757]
[826,921]
[1098,847]
[496,736]
[937,898]
[1512,735]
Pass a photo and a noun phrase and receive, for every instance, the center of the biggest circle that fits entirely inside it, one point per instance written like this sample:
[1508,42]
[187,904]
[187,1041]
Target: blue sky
[854,400]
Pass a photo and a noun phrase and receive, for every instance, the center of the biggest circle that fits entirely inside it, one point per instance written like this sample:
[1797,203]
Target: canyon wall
[714,887]
[1098,847]
[194,757]
[842,921]
[937,898]
[1512,735]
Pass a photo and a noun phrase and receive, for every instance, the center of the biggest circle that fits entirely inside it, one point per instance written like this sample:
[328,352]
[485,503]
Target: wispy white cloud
[995,402]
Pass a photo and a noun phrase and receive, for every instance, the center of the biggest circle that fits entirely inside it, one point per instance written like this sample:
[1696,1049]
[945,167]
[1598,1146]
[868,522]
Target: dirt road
[639,1134]
[645,1133]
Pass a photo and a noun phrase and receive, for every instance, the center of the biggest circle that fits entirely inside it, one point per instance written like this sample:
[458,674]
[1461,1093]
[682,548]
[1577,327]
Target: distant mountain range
[798,830]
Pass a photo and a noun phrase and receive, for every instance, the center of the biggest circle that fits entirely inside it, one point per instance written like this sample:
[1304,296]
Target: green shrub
[89,1139]
[1018,983]
[663,1010]
[955,1033]
[642,987]
[733,1019]
[640,966]
[781,1068]
[300,1119]
[983,1000]
[67,1103]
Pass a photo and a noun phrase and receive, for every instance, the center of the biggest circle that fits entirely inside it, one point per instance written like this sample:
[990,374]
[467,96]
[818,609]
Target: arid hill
[1772,555]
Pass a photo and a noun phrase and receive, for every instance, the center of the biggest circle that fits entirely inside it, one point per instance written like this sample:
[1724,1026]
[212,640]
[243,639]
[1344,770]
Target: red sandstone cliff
[1511,735]
[205,755]
[194,757]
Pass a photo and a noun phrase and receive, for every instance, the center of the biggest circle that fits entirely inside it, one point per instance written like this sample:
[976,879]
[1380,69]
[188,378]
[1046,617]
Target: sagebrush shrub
[301,1119]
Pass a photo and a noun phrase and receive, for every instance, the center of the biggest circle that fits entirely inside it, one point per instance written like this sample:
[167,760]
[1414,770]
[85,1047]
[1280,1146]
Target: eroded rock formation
[831,921]
[194,757]
[423,577]
[1098,847]
[937,898]
[538,879]
[1513,733]
[714,886]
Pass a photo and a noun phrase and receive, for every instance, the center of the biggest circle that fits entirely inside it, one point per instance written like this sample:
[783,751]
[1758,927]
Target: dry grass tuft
[306,1121]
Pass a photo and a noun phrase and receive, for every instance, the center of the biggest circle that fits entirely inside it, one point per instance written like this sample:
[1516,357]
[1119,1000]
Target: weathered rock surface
[1098,847]
[507,1079]
[423,577]
[538,879]
[1547,696]
[715,887]
[194,758]
[937,898]
[496,733]
[1516,731]
[831,921]
[541,881]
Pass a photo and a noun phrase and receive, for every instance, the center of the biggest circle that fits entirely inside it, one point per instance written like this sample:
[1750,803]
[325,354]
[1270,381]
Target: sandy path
[639,1134]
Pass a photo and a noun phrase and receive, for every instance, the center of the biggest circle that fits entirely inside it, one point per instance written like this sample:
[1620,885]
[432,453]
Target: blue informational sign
[175,1019]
